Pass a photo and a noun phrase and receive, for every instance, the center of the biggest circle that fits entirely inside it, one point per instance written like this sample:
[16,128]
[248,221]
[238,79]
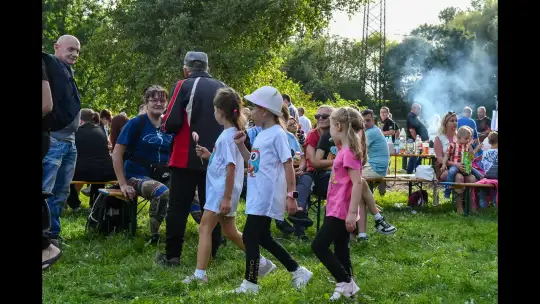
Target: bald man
[415,127]
[483,124]
[67,49]
[59,163]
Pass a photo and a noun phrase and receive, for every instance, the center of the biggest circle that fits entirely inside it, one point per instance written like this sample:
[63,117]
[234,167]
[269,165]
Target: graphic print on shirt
[212,156]
[333,153]
[158,138]
[253,164]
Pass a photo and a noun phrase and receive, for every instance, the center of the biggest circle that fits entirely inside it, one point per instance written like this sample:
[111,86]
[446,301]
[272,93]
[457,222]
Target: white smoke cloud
[464,81]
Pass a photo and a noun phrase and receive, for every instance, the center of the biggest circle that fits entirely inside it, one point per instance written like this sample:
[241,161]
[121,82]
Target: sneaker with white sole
[362,238]
[246,287]
[345,289]
[267,268]
[194,278]
[383,227]
[301,276]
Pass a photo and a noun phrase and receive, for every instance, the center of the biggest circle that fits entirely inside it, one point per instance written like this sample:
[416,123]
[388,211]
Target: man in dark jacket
[191,110]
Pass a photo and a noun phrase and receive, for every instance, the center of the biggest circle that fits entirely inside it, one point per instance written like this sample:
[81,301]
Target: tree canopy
[127,45]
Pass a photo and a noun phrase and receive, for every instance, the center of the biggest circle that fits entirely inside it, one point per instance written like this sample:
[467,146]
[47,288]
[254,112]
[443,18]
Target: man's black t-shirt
[390,125]
[413,122]
[482,125]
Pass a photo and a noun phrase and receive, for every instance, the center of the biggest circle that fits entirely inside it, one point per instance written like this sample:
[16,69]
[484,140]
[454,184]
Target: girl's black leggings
[257,232]
[333,230]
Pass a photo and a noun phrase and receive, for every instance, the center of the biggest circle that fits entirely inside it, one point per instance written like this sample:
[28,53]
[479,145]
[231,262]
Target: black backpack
[66,99]
[112,215]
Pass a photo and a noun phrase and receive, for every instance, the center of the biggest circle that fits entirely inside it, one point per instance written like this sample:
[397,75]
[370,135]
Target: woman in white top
[447,134]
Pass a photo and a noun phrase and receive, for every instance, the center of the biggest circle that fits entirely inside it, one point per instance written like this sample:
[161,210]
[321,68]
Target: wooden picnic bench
[316,201]
[411,179]
[94,183]
[467,187]
[93,194]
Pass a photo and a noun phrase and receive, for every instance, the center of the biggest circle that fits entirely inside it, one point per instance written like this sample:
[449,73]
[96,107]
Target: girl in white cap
[270,188]
[224,181]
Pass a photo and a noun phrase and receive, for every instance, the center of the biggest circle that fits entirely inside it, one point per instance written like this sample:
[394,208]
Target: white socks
[262,261]
[200,273]
[362,234]
[378,216]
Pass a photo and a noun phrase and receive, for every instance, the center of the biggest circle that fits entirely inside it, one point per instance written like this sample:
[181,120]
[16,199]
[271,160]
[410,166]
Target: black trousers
[333,230]
[257,232]
[183,183]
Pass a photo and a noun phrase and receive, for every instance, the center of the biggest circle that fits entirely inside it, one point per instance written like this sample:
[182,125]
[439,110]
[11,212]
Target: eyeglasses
[323,116]
[157,100]
[451,112]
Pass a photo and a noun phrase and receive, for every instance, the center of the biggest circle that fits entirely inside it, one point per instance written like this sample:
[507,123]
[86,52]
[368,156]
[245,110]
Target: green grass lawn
[436,256]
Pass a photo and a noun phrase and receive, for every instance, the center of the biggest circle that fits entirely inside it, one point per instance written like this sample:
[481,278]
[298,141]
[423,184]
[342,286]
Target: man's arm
[46,96]
[321,163]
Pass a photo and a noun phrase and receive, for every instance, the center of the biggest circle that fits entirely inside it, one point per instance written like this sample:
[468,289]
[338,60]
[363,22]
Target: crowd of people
[200,138]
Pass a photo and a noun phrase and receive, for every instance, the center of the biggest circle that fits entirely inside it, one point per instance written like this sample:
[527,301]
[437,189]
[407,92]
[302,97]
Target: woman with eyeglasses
[141,157]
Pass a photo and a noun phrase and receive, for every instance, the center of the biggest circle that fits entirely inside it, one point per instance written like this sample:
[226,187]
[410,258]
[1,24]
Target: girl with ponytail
[224,181]
[344,195]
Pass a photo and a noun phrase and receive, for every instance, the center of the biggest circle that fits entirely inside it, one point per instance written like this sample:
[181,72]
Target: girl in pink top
[344,194]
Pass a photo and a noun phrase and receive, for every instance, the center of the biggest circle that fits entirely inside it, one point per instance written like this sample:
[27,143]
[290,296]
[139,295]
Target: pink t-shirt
[340,185]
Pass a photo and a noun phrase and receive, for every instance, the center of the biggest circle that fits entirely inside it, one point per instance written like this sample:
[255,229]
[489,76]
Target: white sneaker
[344,289]
[194,278]
[301,276]
[267,268]
[246,287]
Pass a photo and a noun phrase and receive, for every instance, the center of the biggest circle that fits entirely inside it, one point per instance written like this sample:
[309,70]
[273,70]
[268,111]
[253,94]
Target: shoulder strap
[190,103]
[136,135]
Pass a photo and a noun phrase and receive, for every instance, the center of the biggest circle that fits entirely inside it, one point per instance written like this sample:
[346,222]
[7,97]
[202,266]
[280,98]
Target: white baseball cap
[268,98]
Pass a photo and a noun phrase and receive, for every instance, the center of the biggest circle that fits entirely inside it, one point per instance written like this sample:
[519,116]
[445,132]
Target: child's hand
[239,137]
[444,167]
[292,207]
[460,167]
[225,206]
[202,152]
[350,222]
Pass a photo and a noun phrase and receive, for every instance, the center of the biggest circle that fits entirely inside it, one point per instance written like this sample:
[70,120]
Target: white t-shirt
[266,183]
[225,152]
[305,123]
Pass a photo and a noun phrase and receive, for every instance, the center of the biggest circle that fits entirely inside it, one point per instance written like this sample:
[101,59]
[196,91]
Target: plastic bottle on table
[418,145]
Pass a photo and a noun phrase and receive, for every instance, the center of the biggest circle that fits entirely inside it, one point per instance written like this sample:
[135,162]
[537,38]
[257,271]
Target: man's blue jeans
[303,186]
[58,170]
[413,163]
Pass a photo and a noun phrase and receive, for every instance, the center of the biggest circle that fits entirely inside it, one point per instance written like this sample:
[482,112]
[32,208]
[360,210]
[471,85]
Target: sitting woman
[94,163]
[448,134]
[117,124]
[293,126]
[143,170]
